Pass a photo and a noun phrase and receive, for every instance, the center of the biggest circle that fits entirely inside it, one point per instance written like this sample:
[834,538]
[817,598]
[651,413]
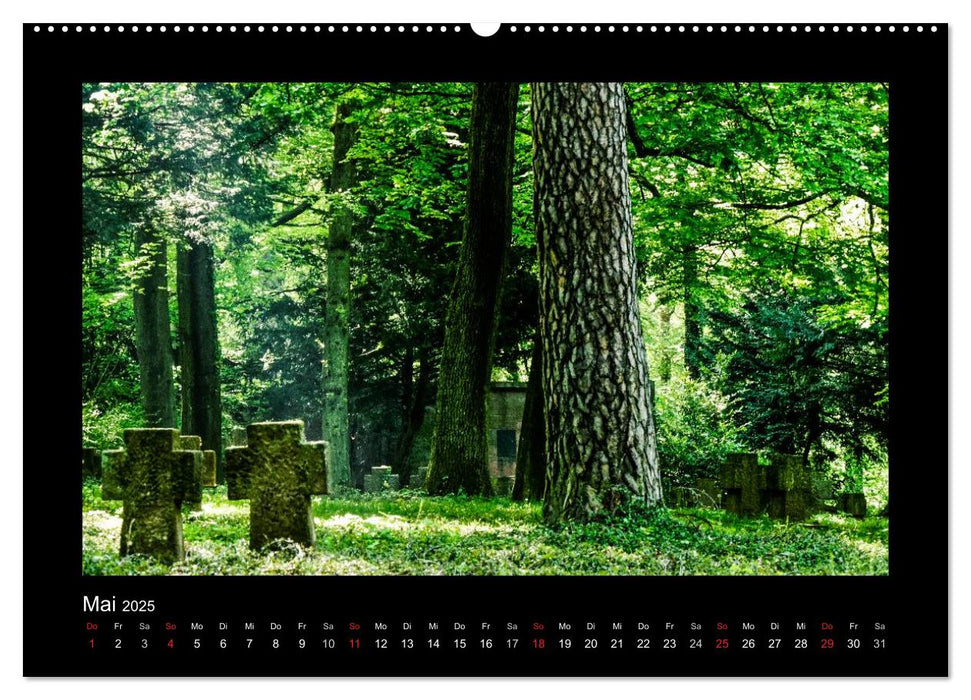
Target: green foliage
[796,380]
[104,428]
[760,211]
[410,533]
[760,216]
[695,431]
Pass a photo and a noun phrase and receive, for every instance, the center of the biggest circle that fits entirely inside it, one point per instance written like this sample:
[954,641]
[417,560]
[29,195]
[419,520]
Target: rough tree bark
[153,342]
[336,423]
[531,453]
[199,348]
[600,437]
[458,459]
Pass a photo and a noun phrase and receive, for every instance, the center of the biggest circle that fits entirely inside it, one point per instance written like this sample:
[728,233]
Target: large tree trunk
[531,453]
[199,348]
[336,424]
[600,439]
[459,453]
[152,333]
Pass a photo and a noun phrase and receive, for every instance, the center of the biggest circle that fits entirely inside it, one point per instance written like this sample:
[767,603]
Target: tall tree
[336,426]
[692,313]
[459,453]
[600,437]
[153,340]
[414,397]
[199,346]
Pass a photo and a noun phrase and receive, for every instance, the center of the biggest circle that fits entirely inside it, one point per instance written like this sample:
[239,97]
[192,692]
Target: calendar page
[422,350]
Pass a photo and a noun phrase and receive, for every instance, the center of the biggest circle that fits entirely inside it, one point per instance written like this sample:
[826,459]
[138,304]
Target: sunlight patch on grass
[873,550]
[220,509]
[101,520]
[417,535]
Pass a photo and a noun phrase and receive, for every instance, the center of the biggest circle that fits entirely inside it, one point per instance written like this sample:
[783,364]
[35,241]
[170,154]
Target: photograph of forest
[485,329]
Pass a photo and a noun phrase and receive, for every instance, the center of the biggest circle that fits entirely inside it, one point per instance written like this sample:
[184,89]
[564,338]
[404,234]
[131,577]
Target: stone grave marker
[821,488]
[278,472]
[853,504]
[788,487]
[207,471]
[783,488]
[504,486]
[743,481]
[91,462]
[153,476]
[417,480]
[238,437]
[381,479]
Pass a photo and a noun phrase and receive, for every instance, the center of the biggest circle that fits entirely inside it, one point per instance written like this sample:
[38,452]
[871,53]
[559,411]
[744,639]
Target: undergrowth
[410,533]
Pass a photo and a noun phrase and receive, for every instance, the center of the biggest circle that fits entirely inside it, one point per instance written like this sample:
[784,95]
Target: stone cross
[207,471]
[278,472]
[152,475]
[744,483]
[788,487]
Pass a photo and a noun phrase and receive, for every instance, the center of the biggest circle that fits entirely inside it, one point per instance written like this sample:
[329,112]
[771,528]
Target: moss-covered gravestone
[743,481]
[788,487]
[207,467]
[153,476]
[381,479]
[91,462]
[503,486]
[278,472]
[853,504]
[417,480]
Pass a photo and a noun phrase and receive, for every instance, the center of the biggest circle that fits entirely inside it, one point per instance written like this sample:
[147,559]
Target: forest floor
[411,533]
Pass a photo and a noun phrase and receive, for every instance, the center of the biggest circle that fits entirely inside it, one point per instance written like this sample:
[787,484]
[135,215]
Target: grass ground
[410,533]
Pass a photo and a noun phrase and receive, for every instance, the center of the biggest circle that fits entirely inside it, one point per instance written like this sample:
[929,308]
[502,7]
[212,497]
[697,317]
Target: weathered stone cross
[782,488]
[278,472]
[744,482]
[788,492]
[207,475]
[152,476]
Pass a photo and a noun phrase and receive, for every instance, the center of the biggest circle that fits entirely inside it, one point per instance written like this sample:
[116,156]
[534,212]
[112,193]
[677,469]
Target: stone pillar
[278,472]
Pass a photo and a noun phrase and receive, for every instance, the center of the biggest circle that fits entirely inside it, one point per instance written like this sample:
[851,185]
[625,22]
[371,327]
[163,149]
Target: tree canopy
[759,227]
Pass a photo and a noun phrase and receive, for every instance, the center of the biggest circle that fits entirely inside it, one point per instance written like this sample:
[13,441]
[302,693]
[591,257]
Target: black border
[912,601]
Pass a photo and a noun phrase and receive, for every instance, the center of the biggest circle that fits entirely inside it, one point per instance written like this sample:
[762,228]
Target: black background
[912,601]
